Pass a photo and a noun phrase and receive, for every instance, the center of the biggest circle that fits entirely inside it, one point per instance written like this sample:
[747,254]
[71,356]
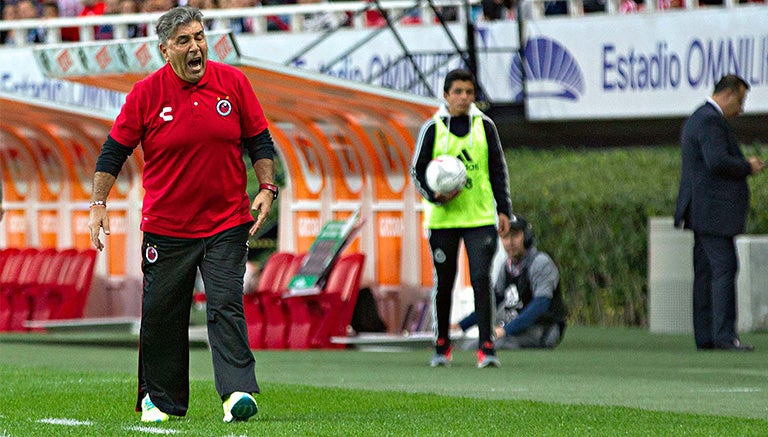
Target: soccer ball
[446,174]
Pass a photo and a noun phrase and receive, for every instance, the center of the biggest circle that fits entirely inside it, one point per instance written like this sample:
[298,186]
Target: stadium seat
[41,296]
[66,297]
[302,311]
[77,286]
[5,254]
[276,316]
[5,307]
[339,301]
[316,318]
[270,280]
[9,279]
[29,275]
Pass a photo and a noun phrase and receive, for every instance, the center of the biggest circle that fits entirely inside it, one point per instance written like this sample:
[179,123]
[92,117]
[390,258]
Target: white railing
[220,17]
[295,16]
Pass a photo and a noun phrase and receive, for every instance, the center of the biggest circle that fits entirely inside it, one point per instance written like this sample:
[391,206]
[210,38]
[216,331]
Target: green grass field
[600,381]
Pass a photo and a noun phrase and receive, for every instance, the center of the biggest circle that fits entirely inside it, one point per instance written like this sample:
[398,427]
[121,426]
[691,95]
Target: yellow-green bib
[474,206]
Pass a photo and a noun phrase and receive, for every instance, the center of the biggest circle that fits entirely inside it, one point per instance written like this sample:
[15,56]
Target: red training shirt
[194,175]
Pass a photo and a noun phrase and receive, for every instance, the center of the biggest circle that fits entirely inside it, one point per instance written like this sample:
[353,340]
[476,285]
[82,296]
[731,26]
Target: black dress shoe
[736,346]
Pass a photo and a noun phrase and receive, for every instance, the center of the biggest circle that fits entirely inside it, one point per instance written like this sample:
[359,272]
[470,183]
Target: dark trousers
[481,246]
[170,266]
[714,290]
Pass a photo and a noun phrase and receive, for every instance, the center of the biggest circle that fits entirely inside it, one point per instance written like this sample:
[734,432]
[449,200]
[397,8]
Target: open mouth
[195,64]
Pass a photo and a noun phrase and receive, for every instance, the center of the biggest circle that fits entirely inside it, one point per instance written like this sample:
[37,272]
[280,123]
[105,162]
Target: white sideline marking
[65,422]
[733,390]
[80,381]
[152,430]
[719,370]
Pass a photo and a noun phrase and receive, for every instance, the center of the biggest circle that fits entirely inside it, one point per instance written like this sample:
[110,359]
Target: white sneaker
[150,413]
[239,406]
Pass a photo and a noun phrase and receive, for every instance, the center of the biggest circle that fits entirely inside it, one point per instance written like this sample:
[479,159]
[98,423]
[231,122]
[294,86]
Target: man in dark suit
[713,201]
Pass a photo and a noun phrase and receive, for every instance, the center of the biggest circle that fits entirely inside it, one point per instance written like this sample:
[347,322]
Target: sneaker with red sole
[486,356]
[442,356]
[441,360]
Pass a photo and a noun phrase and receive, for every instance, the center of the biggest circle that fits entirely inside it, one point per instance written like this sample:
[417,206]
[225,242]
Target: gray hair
[170,21]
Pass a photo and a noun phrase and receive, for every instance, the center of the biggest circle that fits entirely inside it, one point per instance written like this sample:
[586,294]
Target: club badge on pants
[150,254]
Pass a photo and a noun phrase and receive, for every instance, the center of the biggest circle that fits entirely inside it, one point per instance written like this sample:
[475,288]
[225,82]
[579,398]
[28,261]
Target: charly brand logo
[551,71]
[165,114]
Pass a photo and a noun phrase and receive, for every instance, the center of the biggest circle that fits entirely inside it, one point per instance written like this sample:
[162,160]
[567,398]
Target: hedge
[590,211]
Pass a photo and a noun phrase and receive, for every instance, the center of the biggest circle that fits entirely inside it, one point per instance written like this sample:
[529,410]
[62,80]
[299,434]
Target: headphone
[519,222]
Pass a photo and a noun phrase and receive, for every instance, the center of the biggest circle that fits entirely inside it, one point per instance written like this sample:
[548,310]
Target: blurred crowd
[43,9]
[559,7]
[488,11]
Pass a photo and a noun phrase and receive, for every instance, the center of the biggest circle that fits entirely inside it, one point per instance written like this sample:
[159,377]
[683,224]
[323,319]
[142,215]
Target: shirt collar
[714,103]
[474,111]
[183,83]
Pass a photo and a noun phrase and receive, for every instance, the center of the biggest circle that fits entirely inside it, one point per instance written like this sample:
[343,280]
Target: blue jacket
[713,197]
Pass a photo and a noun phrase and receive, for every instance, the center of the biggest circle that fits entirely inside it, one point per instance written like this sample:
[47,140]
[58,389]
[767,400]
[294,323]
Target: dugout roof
[345,146]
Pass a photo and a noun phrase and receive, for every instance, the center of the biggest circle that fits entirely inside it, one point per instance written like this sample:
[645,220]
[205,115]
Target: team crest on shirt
[150,254]
[224,106]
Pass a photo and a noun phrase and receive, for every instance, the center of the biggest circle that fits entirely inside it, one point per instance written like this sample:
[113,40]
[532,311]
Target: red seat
[276,316]
[346,290]
[30,274]
[270,279]
[77,286]
[9,280]
[302,311]
[5,307]
[41,295]
[66,297]
[5,253]
[317,318]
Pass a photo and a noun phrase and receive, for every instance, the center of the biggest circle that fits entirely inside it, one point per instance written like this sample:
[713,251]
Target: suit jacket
[713,197]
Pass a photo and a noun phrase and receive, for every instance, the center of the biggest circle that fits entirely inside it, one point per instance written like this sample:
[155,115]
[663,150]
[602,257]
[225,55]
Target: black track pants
[480,244]
[170,266]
